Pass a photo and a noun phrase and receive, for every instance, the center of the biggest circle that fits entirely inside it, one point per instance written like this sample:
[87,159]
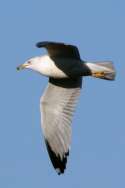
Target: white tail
[103,70]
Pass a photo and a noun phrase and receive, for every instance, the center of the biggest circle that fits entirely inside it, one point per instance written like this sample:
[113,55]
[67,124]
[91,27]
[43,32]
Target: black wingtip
[39,44]
[46,43]
[43,44]
[58,163]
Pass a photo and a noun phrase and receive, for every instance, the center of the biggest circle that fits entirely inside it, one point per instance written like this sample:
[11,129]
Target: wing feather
[57,106]
[56,49]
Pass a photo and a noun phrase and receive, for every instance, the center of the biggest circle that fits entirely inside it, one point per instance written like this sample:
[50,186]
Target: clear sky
[97,157]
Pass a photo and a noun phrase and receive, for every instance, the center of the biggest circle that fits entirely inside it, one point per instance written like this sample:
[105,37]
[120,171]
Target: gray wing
[57,106]
[56,49]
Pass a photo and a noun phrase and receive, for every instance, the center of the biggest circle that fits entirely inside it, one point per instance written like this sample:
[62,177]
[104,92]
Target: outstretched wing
[57,106]
[60,49]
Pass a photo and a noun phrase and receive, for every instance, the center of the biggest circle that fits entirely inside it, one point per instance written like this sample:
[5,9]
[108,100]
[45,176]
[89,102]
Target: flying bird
[65,70]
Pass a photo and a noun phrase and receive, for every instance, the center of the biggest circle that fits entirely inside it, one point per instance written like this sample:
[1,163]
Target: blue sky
[97,157]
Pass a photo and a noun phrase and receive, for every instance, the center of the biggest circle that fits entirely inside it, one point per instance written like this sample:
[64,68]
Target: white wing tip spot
[58,171]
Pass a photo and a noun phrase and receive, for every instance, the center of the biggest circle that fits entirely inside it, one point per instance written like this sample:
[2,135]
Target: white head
[30,64]
[41,64]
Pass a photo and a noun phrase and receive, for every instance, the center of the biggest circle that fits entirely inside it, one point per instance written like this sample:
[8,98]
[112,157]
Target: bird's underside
[65,69]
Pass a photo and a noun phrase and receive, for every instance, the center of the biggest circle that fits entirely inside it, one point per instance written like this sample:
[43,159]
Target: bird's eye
[29,62]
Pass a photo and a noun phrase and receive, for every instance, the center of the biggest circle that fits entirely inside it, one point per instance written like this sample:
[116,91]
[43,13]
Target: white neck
[46,66]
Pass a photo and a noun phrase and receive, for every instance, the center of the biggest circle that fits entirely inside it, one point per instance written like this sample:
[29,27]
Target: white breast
[47,67]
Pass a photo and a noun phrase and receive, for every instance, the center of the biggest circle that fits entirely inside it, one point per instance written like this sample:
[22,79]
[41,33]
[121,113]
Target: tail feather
[104,70]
